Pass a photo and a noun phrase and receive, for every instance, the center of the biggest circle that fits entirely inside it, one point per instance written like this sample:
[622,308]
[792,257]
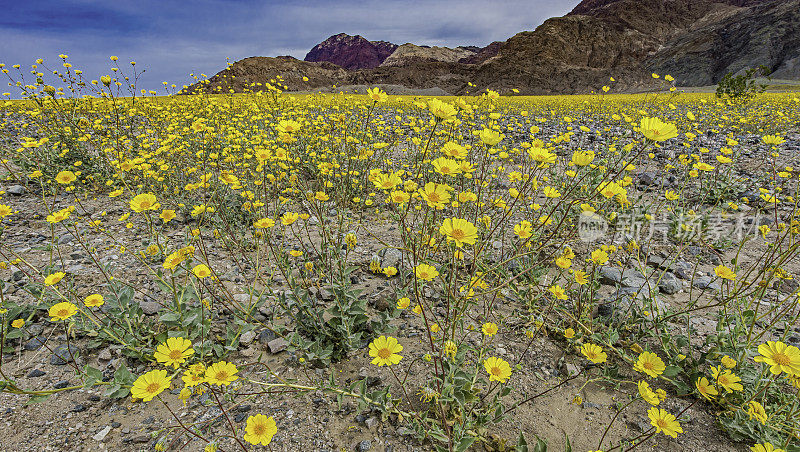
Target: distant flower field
[441,244]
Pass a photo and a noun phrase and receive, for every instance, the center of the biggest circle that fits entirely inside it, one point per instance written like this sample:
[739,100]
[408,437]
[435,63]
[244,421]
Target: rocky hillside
[696,41]
[351,52]
[767,34]
[410,53]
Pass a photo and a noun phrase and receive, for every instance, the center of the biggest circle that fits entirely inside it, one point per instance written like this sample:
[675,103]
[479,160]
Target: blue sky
[171,39]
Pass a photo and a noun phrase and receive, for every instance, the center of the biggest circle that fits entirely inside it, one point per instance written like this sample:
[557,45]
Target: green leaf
[464,443]
[91,376]
[37,399]
[522,445]
[671,371]
[541,445]
[123,376]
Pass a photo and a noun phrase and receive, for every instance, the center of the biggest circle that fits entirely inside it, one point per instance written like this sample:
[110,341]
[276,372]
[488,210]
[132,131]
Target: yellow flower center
[259,429]
[175,355]
[221,375]
[153,387]
[384,353]
[63,312]
[496,371]
[662,424]
[648,365]
[458,234]
[781,359]
[433,197]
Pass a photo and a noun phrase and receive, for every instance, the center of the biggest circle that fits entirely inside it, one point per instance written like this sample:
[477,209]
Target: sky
[171,39]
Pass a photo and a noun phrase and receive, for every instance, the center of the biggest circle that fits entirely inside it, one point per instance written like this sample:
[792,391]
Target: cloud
[170,39]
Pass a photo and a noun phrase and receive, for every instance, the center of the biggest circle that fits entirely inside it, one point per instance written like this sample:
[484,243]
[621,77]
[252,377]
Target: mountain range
[695,41]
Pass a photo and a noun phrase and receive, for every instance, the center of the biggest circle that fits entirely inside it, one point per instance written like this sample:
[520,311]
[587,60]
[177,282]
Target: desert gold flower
[727,379]
[260,429]
[594,353]
[490,137]
[54,278]
[62,311]
[558,292]
[728,362]
[94,300]
[765,447]
[174,351]
[425,272]
[705,388]
[773,140]
[377,95]
[385,351]
[5,210]
[222,374]
[201,271]
[780,357]
[143,202]
[18,323]
[664,422]
[403,303]
[441,110]
[599,257]
[65,177]
[150,385]
[289,218]
[167,215]
[436,195]
[459,231]
[454,150]
[582,158]
[724,272]
[288,126]
[650,364]
[756,411]
[264,223]
[524,229]
[647,394]
[489,329]
[498,369]
[656,130]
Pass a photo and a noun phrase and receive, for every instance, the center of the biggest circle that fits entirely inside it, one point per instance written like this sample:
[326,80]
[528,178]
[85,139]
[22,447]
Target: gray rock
[150,306]
[383,301]
[247,337]
[670,284]
[787,286]
[104,355]
[392,257]
[266,336]
[16,190]
[35,343]
[36,373]
[650,178]
[364,446]
[101,435]
[277,345]
[706,283]
[61,355]
[683,270]
[616,276]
